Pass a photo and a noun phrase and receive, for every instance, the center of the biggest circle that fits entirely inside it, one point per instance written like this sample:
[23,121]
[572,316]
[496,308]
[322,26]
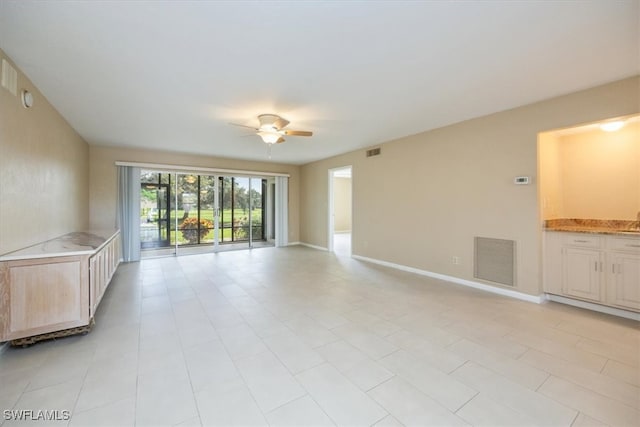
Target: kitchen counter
[593,226]
[76,243]
[594,230]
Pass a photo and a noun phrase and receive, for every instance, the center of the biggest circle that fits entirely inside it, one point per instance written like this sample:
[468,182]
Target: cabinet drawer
[583,240]
[627,244]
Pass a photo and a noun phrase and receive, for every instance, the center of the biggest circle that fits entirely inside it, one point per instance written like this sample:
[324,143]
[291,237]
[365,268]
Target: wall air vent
[494,260]
[373,152]
[9,77]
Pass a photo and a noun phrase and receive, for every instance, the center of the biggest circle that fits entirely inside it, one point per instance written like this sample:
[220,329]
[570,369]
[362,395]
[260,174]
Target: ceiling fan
[272,130]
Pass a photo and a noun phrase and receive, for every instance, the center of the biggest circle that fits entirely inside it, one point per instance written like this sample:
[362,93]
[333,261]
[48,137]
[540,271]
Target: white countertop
[76,243]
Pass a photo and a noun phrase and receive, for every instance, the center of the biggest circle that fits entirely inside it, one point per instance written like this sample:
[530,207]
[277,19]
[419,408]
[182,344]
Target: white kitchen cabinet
[599,268]
[623,284]
[582,273]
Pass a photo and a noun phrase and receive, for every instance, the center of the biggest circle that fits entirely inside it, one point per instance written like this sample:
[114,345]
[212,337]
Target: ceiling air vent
[373,152]
[9,77]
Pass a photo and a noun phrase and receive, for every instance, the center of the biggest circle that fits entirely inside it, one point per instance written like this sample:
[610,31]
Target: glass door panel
[194,216]
[154,212]
[207,208]
[257,193]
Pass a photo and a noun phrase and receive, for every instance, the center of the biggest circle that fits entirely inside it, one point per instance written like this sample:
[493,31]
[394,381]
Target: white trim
[595,307]
[331,205]
[309,245]
[500,291]
[282,211]
[331,220]
[178,168]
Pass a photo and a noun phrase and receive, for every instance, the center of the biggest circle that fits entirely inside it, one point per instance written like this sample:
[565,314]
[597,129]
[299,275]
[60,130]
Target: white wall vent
[495,260]
[373,152]
[9,77]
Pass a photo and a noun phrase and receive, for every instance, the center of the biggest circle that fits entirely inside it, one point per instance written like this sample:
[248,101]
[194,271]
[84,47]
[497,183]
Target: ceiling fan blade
[280,140]
[243,126]
[297,132]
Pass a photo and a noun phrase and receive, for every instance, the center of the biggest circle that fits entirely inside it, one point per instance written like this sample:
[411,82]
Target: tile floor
[342,244]
[299,337]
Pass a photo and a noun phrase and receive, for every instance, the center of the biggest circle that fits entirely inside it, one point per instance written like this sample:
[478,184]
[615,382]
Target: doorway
[340,210]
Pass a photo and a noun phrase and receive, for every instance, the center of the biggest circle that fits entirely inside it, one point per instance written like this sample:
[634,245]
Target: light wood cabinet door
[624,280]
[43,295]
[582,273]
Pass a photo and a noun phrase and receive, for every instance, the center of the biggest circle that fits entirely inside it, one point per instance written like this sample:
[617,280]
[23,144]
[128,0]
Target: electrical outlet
[455,260]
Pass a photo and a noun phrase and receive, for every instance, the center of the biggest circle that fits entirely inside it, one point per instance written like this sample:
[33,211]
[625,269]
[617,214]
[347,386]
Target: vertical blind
[128,215]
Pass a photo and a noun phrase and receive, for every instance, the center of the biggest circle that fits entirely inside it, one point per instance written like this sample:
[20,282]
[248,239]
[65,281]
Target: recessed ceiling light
[612,126]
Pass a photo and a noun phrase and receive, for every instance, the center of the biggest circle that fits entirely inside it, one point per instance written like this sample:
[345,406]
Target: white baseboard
[470,283]
[595,307]
[309,245]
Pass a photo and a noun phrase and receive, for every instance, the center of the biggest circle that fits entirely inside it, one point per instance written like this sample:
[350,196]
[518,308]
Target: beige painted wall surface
[103,182]
[601,173]
[44,171]
[549,176]
[445,186]
[342,204]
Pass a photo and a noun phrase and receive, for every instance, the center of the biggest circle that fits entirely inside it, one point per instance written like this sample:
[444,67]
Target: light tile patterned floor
[299,337]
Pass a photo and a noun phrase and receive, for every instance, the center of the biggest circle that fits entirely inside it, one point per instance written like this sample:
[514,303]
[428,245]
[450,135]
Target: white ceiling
[171,75]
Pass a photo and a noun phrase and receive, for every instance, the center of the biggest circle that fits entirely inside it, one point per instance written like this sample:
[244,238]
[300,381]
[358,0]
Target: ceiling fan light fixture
[269,137]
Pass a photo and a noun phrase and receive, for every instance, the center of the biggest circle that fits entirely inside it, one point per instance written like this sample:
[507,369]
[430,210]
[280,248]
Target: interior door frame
[331,212]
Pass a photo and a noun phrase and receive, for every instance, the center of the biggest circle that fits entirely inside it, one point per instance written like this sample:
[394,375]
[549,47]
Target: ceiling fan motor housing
[272,122]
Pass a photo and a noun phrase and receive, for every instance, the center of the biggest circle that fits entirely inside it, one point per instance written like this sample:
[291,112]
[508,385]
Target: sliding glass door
[194,213]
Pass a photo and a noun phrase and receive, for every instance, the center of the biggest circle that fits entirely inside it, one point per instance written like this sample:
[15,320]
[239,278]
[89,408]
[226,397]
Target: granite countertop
[594,226]
[76,243]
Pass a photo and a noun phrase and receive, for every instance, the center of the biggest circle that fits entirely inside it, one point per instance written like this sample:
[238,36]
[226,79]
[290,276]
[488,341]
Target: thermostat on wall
[521,180]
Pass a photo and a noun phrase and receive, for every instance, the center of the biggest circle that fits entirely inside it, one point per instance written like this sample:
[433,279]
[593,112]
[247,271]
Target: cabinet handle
[595,264]
[631,245]
[613,268]
[580,241]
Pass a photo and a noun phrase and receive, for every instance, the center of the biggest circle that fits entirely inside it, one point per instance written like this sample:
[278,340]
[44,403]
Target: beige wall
[445,186]
[342,204]
[103,181]
[550,176]
[601,173]
[44,171]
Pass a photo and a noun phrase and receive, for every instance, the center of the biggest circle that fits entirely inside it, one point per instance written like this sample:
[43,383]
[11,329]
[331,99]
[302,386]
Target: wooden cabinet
[599,268]
[102,266]
[48,288]
[623,284]
[42,295]
[581,273]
